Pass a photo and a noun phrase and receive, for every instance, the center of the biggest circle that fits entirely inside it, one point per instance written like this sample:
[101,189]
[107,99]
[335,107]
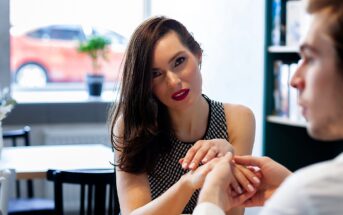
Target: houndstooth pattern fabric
[168,170]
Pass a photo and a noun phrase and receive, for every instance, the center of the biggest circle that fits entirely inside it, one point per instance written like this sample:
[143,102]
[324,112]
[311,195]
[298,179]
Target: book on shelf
[297,22]
[285,96]
[284,90]
[276,91]
[281,88]
[277,23]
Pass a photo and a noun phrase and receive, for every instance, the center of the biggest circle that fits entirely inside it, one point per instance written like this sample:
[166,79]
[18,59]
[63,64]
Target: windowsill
[55,106]
[47,97]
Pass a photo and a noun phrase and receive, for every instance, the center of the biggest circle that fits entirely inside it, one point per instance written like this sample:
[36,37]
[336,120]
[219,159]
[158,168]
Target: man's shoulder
[320,172]
[318,187]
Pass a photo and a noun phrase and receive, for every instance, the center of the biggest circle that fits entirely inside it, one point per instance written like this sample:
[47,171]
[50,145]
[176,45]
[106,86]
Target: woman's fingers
[195,155]
[189,157]
[236,187]
[212,153]
[255,170]
[251,176]
[200,154]
[205,150]
[243,180]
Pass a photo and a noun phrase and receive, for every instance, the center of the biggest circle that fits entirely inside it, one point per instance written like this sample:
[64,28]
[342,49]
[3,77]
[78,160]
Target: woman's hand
[246,179]
[205,150]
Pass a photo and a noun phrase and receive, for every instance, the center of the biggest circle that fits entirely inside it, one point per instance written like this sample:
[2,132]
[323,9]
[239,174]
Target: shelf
[283,49]
[285,121]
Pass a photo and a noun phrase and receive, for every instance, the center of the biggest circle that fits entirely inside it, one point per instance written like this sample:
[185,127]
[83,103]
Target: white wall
[231,34]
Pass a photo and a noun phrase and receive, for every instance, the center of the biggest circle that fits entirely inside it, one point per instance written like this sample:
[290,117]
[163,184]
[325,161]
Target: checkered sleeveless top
[168,171]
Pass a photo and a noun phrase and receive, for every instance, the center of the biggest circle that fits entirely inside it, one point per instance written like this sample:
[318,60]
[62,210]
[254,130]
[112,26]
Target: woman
[162,117]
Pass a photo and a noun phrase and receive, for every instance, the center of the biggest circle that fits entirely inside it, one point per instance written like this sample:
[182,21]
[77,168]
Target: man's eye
[308,60]
[179,61]
[156,73]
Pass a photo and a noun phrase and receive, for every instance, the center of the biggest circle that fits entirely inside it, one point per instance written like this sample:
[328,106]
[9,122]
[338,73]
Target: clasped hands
[207,152]
[231,181]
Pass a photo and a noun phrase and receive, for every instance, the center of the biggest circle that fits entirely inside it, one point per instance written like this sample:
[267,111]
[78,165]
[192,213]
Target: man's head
[319,77]
[332,11]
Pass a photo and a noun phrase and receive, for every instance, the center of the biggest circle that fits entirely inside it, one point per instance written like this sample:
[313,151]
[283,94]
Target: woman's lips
[180,95]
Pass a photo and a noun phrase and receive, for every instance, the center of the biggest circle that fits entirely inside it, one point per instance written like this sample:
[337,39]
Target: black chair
[25,205]
[100,185]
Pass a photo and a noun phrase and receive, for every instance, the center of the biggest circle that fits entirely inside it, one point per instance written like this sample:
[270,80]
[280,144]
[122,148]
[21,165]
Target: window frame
[5,73]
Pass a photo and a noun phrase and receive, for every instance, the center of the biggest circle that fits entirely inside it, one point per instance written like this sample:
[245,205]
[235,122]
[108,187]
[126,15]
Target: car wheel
[31,75]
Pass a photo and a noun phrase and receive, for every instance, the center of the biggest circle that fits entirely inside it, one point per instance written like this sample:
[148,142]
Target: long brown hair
[146,121]
[334,14]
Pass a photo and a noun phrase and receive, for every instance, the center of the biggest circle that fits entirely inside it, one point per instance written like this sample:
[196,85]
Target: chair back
[15,136]
[5,176]
[100,185]
[20,137]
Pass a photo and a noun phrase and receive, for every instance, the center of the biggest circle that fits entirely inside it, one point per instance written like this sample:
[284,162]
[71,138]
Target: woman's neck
[190,124]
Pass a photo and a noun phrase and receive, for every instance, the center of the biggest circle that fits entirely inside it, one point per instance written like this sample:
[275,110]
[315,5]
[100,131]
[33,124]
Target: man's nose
[297,80]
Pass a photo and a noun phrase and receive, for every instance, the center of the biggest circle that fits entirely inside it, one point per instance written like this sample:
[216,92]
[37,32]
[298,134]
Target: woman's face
[320,83]
[176,74]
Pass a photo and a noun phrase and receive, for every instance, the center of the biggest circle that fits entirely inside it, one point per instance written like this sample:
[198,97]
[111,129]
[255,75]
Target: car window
[39,33]
[65,34]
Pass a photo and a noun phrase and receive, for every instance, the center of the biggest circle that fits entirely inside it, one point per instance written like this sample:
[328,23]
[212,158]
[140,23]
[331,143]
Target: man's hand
[273,174]
[217,187]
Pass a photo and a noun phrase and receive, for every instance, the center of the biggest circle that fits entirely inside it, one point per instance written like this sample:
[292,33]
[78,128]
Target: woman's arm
[241,128]
[135,195]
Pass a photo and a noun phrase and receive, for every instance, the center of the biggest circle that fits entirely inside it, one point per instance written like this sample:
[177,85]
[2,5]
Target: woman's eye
[179,61]
[156,73]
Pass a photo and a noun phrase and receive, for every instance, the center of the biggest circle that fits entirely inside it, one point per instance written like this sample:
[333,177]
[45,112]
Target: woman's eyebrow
[172,58]
[175,55]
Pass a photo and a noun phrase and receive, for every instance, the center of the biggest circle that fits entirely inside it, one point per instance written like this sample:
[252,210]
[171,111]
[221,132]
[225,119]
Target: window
[43,48]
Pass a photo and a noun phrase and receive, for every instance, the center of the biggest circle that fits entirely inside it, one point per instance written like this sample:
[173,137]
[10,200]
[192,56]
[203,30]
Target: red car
[49,54]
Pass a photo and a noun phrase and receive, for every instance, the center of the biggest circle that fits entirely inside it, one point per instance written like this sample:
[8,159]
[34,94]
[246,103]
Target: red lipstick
[180,95]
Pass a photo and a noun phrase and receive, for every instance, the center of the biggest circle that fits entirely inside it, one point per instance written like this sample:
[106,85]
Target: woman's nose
[173,78]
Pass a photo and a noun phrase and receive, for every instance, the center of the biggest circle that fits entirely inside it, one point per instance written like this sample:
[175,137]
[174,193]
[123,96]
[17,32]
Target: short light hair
[333,10]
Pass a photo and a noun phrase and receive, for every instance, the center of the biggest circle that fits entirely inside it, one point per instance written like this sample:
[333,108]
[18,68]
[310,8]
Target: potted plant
[6,105]
[96,47]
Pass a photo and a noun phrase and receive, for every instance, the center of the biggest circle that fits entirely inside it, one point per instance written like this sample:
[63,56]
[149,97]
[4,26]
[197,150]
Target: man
[317,189]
